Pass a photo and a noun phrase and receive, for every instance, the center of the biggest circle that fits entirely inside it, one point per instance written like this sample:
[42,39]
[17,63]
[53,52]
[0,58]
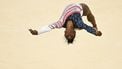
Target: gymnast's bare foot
[33,32]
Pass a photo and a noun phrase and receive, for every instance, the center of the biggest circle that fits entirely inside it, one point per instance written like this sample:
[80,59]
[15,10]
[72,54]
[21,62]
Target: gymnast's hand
[33,32]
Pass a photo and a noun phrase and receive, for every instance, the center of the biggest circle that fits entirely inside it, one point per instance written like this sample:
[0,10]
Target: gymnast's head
[70,35]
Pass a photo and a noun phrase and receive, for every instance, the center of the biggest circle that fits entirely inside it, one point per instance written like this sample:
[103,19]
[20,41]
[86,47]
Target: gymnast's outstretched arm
[41,30]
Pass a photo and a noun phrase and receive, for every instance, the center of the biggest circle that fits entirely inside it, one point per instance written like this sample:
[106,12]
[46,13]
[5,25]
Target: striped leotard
[69,10]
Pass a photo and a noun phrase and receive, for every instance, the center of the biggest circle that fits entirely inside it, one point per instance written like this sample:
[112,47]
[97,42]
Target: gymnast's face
[70,35]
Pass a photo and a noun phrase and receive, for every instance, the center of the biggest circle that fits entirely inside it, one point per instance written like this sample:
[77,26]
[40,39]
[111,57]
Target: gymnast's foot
[33,32]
